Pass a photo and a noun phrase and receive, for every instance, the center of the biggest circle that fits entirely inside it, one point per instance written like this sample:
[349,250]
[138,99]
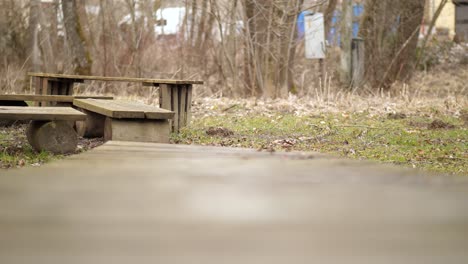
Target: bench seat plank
[123,109]
[49,98]
[116,79]
[40,113]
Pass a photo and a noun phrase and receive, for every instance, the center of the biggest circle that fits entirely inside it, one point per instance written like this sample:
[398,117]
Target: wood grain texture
[182,106]
[137,130]
[116,79]
[40,113]
[45,90]
[175,107]
[49,98]
[123,109]
[165,99]
[189,103]
[35,88]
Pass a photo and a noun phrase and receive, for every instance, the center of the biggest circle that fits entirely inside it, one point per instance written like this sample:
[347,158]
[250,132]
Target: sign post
[315,44]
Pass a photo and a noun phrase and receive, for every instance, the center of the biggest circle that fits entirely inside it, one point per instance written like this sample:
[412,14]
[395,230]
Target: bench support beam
[92,127]
[136,130]
[57,137]
[178,99]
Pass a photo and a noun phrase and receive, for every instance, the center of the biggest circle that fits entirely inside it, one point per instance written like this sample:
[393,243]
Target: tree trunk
[201,25]
[193,22]
[102,6]
[430,28]
[390,31]
[80,57]
[411,18]
[328,15]
[288,48]
[249,52]
[270,45]
[346,39]
[33,32]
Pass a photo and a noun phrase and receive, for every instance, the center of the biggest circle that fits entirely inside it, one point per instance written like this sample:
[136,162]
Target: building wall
[447,17]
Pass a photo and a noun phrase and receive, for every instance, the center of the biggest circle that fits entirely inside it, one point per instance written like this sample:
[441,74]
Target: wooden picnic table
[174,95]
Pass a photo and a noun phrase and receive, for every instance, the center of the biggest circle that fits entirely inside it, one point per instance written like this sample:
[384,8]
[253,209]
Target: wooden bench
[51,128]
[124,121]
[44,100]
[174,95]
[48,98]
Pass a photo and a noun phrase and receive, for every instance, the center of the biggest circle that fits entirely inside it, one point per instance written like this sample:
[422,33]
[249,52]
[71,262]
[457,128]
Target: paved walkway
[149,203]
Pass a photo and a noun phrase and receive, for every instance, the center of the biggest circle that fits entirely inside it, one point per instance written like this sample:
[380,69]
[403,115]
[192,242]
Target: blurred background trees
[241,48]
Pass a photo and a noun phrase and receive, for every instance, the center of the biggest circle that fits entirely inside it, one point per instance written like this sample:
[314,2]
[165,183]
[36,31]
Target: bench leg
[92,127]
[137,130]
[177,98]
[57,137]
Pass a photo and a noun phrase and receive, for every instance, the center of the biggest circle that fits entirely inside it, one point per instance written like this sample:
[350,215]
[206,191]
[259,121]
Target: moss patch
[412,141]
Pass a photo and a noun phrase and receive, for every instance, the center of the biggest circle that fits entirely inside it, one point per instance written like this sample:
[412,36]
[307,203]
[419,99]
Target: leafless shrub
[240,48]
[12,79]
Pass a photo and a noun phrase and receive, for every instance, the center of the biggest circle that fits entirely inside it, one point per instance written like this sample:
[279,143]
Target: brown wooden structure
[51,128]
[40,113]
[124,121]
[174,95]
[49,98]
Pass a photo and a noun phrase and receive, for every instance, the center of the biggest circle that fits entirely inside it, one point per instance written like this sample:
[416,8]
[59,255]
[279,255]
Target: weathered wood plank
[45,90]
[70,88]
[151,112]
[37,88]
[49,98]
[117,79]
[182,106]
[110,110]
[189,103]
[40,113]
[175,108]
[137,130]
[123,109]
[165,99]
[54,88]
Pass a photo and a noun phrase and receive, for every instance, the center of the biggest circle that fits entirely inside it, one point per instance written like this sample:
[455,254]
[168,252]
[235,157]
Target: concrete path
[149,203]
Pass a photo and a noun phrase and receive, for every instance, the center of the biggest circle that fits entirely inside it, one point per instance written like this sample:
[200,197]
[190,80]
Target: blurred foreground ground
[148,203]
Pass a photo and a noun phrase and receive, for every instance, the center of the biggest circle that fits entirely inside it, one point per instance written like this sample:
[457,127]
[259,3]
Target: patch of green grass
[407,141]
[15,151]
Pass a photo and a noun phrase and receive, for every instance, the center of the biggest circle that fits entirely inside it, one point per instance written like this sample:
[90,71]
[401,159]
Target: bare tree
[328,14]
[390,30]
[80,57]
[270,45]
[436,15]
[33,32]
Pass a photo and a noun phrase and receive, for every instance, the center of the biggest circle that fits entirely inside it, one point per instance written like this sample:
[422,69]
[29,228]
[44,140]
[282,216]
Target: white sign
[315,45]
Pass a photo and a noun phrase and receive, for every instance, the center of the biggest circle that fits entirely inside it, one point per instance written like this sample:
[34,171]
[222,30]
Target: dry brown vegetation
[241,48]
[248,54]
